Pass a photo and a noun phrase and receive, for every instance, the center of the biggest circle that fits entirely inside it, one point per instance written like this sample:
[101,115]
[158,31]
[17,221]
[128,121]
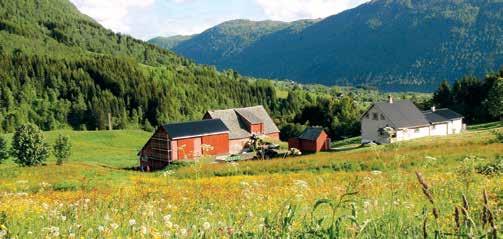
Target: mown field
[354,193]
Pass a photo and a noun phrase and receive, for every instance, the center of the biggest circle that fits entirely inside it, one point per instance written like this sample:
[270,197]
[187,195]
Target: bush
[493,168]
[4,151]
[499,135]
[28,146]
[62,149]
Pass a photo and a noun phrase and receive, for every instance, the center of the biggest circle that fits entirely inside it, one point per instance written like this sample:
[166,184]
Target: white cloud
[289,10]
[111,13]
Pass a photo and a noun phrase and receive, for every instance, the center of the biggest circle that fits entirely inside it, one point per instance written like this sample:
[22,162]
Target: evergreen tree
[28,146]
[443,97]
[4,151]
[62,149]
[495,99]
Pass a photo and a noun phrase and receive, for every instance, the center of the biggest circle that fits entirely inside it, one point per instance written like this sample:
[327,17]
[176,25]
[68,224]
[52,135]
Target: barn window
[375,116]
[417,130]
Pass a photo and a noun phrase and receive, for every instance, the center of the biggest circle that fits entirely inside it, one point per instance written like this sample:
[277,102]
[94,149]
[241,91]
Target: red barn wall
[320,144]
[293,143]
[185,148]
[256,128]
[220,143]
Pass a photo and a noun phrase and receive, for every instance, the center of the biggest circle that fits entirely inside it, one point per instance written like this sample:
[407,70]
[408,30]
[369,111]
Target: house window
[382,117]
[375,116]
[434,127]
[367,115]
[417,130]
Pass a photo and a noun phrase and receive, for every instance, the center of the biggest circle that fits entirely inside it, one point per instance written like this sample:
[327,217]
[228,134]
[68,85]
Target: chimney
[433,109]
[390,99]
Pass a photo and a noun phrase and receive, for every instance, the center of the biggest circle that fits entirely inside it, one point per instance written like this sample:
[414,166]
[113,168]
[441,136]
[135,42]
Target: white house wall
[456,126]
[439,129]
[413,133]
[370,127]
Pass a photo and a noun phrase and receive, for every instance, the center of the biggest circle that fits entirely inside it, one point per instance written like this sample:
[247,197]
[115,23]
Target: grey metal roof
[403,114]
[311,133]
[195,128]
[441,115]
[234,120]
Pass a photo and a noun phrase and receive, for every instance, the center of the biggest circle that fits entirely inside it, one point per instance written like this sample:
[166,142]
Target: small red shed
[313,139]
[187,140]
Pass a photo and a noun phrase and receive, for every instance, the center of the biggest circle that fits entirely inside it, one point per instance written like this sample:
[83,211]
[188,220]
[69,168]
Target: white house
[388,122]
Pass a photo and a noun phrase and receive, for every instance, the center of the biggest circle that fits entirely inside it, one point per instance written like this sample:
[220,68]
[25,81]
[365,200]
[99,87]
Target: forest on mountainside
[394,45]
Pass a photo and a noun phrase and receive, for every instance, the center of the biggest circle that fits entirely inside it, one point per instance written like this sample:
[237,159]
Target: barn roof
[195,128]
[441,115]
[234,120]
[311,133]
[403,114]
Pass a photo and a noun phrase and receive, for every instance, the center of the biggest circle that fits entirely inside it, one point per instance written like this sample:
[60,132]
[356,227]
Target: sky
[145,19]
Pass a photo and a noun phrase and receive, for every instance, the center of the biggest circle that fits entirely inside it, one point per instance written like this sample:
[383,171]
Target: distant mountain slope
[392,44]
[226,40]
[169,42]
[59,68]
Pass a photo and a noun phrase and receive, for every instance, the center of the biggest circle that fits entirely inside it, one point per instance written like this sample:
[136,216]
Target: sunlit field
[352,193]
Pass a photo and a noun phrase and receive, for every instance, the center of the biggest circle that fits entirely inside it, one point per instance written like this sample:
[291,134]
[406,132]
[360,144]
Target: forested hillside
[390,44]
[226,40]
[59,68]
[169,42]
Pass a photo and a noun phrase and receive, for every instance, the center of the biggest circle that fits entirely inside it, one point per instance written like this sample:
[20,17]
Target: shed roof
[403,114]
[311,133]
[195,128]
[441,115]
[234,120]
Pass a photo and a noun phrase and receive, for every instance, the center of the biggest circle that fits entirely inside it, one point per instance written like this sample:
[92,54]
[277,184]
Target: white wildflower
[144,230]
[167,218]
[101,228]
[376,172]
[183,232]
[114,226]
[132,222]
[206,225]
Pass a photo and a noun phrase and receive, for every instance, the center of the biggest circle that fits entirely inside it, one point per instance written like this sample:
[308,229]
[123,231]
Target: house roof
[195,128]
[235,119]
[311,133]
[441,115]
[403,114]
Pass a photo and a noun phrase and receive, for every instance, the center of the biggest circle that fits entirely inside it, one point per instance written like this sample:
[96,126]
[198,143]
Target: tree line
[478,100]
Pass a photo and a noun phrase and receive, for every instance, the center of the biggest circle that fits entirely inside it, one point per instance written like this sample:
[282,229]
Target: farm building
[388,122]
[244,123]
[313,139]
[184,141]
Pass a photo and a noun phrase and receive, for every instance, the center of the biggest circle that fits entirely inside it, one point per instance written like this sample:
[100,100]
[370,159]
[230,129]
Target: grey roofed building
[195,128]
[441,115]
[311,133]
[403,114]
[234,120]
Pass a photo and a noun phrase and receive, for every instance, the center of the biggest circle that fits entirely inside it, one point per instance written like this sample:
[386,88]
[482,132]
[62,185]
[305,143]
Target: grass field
[359,193]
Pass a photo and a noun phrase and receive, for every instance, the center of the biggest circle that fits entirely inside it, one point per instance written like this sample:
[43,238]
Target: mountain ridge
[389,44]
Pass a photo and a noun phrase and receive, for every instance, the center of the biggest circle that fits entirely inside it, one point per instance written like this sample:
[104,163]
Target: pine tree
[4,151]
[495,99]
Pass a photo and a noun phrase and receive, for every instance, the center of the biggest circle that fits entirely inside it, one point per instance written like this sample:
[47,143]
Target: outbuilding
[184,141]
[313,139]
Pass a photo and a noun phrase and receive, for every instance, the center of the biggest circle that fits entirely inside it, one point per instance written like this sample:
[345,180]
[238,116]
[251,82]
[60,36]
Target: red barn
[313,139]
[184,141]
[244,123]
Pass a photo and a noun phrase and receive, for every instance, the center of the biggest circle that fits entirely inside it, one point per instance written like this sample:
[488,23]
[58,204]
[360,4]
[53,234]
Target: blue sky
[145,19]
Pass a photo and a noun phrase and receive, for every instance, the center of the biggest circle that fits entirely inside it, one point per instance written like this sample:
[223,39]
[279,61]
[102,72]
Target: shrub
[4,151]
[498,134]
[28,146]
[493,168]
[62,149]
